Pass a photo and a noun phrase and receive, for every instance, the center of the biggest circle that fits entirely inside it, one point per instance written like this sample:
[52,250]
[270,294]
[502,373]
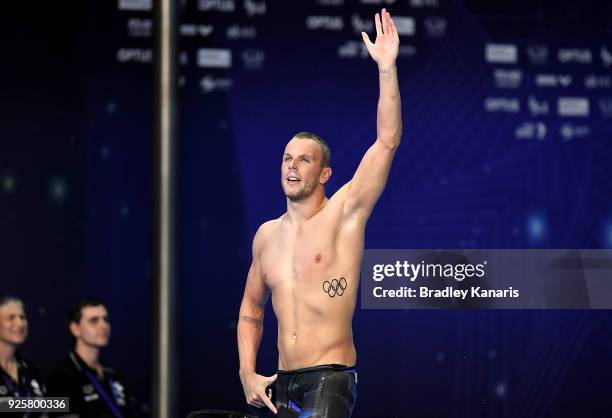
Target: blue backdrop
[498,152]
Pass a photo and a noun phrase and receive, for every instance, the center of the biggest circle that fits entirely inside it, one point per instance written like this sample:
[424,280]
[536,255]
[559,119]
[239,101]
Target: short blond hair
[326,160]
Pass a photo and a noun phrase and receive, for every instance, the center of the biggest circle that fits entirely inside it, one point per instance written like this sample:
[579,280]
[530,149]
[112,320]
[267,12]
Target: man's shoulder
[114,374]
[341,193]
[65,368]
[264,231]
[64,379]
[270,225]
[267,228]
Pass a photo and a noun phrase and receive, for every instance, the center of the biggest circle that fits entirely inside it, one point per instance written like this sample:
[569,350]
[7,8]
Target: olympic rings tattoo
[335,287]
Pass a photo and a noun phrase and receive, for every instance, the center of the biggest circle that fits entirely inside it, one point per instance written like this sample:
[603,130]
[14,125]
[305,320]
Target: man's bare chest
[305,256]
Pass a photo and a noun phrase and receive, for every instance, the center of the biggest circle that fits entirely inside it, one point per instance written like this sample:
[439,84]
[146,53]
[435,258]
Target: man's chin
[99,344]
[295,197]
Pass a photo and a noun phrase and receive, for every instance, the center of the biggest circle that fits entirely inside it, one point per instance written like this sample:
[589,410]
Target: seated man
[95,391]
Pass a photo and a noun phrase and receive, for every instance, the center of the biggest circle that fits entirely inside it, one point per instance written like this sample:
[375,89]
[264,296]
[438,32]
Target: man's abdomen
[314,310]
[313,345]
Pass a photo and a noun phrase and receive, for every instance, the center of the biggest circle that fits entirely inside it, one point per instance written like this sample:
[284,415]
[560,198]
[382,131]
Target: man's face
[301,171]
[94,328]
[13,323]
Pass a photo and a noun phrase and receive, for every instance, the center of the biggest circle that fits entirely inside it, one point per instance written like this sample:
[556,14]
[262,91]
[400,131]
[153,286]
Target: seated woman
[18,378]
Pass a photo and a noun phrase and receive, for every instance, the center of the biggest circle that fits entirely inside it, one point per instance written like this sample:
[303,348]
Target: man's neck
[89,354]
[7,354]
[302,210]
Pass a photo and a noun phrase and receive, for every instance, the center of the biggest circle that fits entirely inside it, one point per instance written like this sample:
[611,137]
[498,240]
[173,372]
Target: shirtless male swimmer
[309,260]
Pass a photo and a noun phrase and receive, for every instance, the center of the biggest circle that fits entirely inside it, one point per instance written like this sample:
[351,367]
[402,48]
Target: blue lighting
[501,390]
[607,235]
[536,227]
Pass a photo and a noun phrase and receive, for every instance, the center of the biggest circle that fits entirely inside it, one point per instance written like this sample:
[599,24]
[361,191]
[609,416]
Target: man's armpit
[258,323]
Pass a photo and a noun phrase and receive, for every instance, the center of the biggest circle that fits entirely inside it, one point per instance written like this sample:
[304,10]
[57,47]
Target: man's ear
[74,329]
[325,175]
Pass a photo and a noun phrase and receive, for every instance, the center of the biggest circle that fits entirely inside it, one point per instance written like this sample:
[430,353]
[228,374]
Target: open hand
[384,49]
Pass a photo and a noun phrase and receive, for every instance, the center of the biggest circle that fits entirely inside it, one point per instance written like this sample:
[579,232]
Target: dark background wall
[75,169]
[474,171]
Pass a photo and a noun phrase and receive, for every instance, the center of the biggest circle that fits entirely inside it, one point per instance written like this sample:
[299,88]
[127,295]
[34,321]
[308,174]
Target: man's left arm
[369,180]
